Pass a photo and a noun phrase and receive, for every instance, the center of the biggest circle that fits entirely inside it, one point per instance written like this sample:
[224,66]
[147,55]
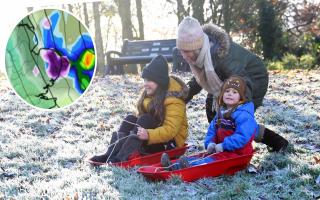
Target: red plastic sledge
[146,159]
[227,166]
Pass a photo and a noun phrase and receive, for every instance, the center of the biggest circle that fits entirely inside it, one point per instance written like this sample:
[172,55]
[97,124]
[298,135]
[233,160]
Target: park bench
[142,52]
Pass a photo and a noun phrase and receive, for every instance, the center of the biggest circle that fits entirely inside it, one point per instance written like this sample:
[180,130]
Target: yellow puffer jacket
[175,125]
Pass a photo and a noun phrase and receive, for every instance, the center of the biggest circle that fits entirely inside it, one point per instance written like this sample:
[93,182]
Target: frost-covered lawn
[42,153]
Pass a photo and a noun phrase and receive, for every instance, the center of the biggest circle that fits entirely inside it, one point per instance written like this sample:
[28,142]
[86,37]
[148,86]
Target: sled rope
[132,123]
[200,158]
[114,145]
[117,141]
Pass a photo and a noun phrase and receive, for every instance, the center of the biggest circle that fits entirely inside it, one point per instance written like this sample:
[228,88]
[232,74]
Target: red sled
[142,160]
[227,166]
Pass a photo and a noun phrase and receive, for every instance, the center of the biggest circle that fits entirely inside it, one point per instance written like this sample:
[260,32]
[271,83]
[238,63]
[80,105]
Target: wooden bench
[142,52]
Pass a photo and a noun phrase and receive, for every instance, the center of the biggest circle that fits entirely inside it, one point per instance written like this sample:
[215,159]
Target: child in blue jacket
[231,131]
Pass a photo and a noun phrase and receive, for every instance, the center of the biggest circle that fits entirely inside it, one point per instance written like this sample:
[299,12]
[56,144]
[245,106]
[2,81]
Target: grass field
[42,153]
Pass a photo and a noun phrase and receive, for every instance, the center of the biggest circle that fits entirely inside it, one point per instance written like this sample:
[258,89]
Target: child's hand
[142,134]
[211,148]
[219,148]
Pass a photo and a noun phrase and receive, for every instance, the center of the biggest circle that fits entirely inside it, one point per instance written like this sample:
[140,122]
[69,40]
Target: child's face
[231,97]
[150,86]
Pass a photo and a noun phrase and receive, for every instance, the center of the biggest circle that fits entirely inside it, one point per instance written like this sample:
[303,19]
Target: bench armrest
[110,56]
[113,52]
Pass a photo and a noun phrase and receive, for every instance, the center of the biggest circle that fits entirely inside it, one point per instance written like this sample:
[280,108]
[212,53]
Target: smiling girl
[231,131]
[161,122]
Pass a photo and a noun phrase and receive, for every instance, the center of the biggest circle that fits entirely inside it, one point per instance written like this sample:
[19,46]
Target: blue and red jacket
[237,132]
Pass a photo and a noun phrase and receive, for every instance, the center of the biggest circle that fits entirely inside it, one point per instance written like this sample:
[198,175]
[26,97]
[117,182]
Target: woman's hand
[142,133]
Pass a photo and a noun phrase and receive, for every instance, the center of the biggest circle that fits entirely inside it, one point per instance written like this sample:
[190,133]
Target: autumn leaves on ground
[42,153]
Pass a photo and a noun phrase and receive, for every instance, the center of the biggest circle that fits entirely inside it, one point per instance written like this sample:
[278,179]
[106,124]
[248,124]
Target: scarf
[203,70]
[204,73]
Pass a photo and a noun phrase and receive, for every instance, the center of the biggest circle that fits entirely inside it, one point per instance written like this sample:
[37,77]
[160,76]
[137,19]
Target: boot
[165,161]
[111,149]
[183,162]
[274,140]
[131,145]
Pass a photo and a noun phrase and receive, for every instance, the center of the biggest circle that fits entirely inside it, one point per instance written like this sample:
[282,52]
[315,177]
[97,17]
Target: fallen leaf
[317,160]
[252,169]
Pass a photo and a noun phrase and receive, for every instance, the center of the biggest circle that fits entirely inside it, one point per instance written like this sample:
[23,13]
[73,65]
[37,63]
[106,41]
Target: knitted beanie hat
[157,71]
[190,35]
[237,83]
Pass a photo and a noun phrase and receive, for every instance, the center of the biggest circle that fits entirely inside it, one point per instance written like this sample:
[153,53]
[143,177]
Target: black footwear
[115,145]
[113,148]
[165,161]
[101,158]
[183,162]
[131,144]
[274,140]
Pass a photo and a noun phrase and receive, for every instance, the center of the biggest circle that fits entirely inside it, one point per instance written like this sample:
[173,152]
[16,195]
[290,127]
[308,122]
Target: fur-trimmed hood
[177,88]
[221,37]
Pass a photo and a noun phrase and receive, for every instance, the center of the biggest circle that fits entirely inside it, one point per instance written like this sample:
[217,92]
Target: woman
[161,122]
[213,57]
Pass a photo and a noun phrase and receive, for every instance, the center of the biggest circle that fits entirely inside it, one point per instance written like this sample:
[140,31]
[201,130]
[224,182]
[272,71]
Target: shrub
[275,65]
[290,61]
[307,61]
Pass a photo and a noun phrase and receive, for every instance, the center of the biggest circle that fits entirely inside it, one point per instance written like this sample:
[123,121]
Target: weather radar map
[50,59]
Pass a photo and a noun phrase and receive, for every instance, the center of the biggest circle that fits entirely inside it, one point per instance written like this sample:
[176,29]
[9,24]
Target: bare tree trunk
[197,7]
[85,13]
[124,7]
[125,15]
[98,39]
[70,8]
[140,19]
[180,11]
[226,15]
[108,31]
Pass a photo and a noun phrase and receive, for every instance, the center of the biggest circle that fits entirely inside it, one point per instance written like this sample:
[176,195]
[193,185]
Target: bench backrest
[148,47]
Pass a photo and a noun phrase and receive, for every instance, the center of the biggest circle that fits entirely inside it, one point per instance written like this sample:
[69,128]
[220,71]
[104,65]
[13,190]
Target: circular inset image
[50,59]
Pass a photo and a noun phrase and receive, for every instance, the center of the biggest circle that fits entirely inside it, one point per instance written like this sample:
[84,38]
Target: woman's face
[190,56]
[150,86]
[231,97]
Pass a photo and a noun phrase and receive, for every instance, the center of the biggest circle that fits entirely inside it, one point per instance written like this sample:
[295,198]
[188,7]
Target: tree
[302,22]
[85,13]
[226,15]
[109,11]
[70,8]
[124,8]
[197,10]
[98,39]
[269,29]
[181,11]
[140,19]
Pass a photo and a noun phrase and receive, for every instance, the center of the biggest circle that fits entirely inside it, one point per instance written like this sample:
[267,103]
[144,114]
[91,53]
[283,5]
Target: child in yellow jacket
[161,122]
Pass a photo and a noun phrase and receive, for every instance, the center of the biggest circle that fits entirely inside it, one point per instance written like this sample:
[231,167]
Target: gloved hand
[218,148]
[211,148]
